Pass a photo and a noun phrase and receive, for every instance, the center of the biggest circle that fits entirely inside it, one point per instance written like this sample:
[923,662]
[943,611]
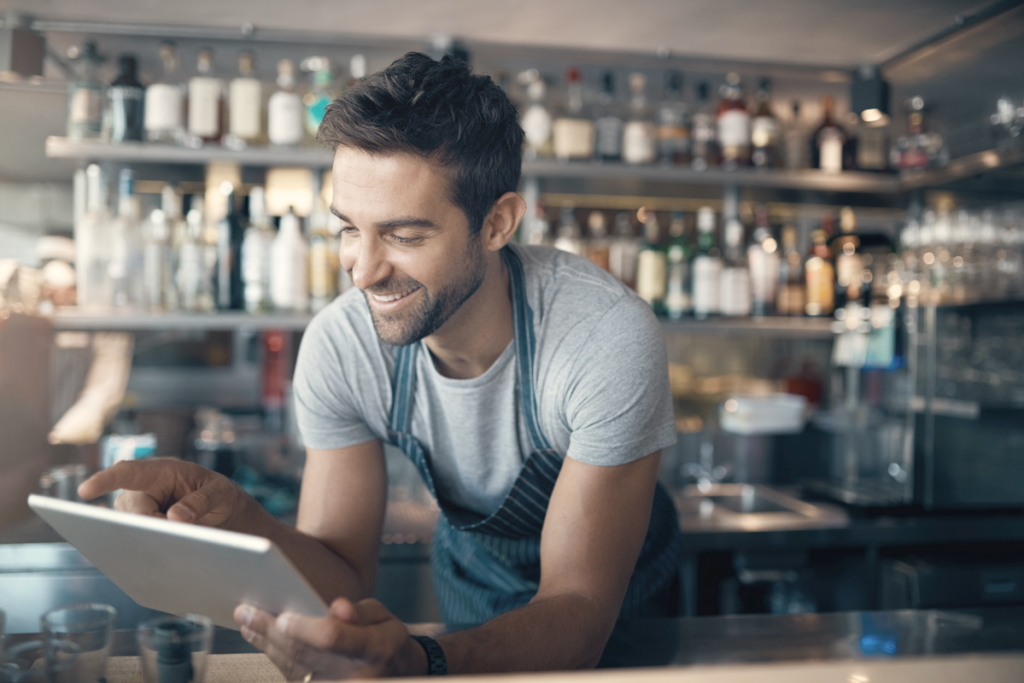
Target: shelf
[963,167]
[84,320]
[790,328]
[141,152]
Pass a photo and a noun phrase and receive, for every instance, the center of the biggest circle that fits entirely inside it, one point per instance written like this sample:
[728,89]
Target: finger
[138,475]
[197,504]
[138,503]
[364,612]
[293,657]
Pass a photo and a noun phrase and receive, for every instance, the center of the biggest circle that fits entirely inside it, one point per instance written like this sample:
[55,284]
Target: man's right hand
[180,491]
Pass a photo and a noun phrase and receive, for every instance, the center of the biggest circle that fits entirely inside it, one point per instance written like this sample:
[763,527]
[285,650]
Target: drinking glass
[174,649]
[33,662]
[87,626]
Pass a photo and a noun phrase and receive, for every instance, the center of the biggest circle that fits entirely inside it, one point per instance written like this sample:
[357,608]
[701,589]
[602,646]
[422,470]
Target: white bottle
[624,251]
[284,111]
[256,243]
[156,263]
[734,292]
[289,262]
[165,102]
[205,97]
[195,274]
[125,268]
[536,120]
[245,102]
[639,137]
[707,266]
[93,243]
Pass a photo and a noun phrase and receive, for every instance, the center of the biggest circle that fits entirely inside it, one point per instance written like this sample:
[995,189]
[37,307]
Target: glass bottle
[536,119]
[734,292]
[156,264]
[323,260]
[177,232]
[195,277]
[673,123]
[918,148]
[707,266]
[639,135]
[93,242]
[165,101]
[733,124]
[289,263]
[322,94]
[125,269]
[85,97]
[794,141]
[259,235]
[678,299]
[569,238]
[125,100]
[573,130]
[598,248]
[622,254]
[284,110]
[608,124]
[828,141]
[764,130]
[205,100]
[229,254]
[819,274]
[245,104]
[763,261]
[872,149]
[704,148]
[652,264]
[790,300]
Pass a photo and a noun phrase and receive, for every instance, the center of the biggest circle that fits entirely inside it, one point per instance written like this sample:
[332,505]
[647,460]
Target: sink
[751,507]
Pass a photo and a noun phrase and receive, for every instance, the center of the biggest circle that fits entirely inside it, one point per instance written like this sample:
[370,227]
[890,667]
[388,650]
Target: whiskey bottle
[205,101]
[733,124]
[763,261]
[918,148]
[85,97]
[573,130]
[652,264]
[704,148]
[598,248]
[125,100]
[608,124]
[673,123]
[284,110]
[707,266]
[245,105]
[678,299]
[764,130]
[536,119]
[734,291]
[639,142]
[791,287]
[828,141]
[622,253]
[165,101]
[819,274]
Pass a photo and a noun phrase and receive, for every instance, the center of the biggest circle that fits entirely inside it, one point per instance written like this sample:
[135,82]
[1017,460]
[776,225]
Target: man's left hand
[355,640]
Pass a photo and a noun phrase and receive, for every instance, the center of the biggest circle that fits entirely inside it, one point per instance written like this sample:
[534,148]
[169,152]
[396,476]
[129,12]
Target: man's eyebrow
[410,221]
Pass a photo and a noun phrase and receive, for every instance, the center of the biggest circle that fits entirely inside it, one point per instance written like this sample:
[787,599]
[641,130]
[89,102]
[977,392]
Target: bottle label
[764,275]
[734,128]
[639,144]
[622,258]
[126,116]
[820,287]
[734,297]
[677,296]
[245,105]
[574,139]
[204,107]
[86,107]
[764,131]
[830,146]
[284,119]
[707,272]
[537,126]
[673,141]
[651,275]
[163,107]
[608,132]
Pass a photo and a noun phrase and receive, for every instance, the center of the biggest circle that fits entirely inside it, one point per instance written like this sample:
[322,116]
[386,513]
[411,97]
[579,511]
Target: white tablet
[182,568]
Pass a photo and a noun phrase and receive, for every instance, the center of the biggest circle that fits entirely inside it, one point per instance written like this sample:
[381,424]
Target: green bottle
[678,299]
[652,264]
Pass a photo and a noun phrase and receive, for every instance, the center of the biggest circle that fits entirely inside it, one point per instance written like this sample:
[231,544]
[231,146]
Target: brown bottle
[819,273]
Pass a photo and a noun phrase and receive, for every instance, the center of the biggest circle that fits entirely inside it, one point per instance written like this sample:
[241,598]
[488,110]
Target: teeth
[391,297]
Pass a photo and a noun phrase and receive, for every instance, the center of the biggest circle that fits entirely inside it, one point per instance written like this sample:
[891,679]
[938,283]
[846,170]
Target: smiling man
[528,387]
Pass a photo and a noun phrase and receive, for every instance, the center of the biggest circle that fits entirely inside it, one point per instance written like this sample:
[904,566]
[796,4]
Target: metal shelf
[84,319]
[963,167]
[776,326]
[141,152]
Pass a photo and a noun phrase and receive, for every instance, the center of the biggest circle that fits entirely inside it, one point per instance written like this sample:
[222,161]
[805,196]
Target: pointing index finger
[131,476]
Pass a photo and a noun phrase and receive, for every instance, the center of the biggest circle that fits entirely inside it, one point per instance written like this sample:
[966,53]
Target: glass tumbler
[32,662]
[175,649]
[88,627]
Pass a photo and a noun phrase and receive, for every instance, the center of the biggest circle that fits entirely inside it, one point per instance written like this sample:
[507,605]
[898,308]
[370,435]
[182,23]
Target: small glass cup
[89,627]
[174,649]
[32,662]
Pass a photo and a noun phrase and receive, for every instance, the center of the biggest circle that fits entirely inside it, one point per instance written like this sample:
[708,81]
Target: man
[527,386]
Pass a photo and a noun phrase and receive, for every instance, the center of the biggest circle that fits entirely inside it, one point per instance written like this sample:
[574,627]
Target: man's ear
[502,220]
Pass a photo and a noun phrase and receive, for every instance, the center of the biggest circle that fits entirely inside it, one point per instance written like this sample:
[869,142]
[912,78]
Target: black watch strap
[437,665]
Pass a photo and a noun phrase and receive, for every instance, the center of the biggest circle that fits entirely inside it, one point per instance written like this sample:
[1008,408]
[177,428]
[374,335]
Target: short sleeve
[618,402]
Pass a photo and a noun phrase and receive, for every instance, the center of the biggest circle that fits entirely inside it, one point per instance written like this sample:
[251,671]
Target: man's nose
[369,263]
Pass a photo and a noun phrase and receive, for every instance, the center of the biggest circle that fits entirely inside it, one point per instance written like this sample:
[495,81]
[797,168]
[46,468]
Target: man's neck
[479,332]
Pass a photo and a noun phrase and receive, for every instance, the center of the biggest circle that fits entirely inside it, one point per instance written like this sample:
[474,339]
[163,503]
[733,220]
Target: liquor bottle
[177,232]
[872,148]
[794,142]
[598,247]
[704,149]
[156,264]
[229,254]
[707,267]
[573,130]
[622,254]
[733,124]
[861,260]
[608,124]
[536,119]
[284,110]
[259,235]
[734,292]
[85,97]
[125,269]
[764,130]
[678,299]
[289,263]
[639,135]
[790,300]
[165,101]
[673,123]
[205,101]
[537,230]
[316,100]
[763,261]
[918,148]
[125,100]
[245,104]
[93,242]
[195,276]
[652,265]
[819,273]
[357,69]
[323,260]
[828,141]
[569,238]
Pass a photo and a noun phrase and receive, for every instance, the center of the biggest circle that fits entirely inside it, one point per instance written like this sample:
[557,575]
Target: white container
[770,414]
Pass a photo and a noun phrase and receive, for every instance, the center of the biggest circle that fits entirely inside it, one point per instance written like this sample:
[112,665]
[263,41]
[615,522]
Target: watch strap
[437,665]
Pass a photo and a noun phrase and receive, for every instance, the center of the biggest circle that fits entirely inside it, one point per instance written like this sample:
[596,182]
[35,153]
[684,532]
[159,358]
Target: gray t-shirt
[600,377]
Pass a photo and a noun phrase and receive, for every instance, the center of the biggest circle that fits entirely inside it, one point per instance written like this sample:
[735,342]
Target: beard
[435,307]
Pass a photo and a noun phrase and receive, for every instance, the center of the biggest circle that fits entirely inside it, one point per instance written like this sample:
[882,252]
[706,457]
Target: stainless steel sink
[751,507]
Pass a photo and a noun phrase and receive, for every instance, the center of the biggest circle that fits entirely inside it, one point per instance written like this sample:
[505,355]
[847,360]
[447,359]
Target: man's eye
[348,230]
[405,240]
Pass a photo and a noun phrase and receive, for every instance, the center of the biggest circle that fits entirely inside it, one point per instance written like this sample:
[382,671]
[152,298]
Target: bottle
[259,235]
[155,261]
[598,248]
[652,264]
[125,100]
[704,149]
[177,232]
[245,104]
[862,260]
[764,130]
[85,97]
[537,230]
[536,120]
[93,242]
[820,274]
[828,141]
[608,124]
[872,149]
[918,148]
[357,69]
[622,253]
[229,255]
[733,124]
[205,101]
[734,292]
[639,136]
[678,301]
[794,141]
[673,123]
[289,262]
[323,261]
[165,101]
[569,238]
[573,131]
[707,266]
[195,277]
[284,110]
[125,269]
[763,261]
[790,300]
[316,100]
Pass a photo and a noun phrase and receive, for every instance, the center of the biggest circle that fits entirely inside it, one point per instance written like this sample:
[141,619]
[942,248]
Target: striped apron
[484,566]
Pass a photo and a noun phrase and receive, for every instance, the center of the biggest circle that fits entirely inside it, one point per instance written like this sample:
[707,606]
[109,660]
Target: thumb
[364,612]
[194,506]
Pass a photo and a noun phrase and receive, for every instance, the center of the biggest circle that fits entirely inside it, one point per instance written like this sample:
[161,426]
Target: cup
[88,627]
[32,662]
[174,649]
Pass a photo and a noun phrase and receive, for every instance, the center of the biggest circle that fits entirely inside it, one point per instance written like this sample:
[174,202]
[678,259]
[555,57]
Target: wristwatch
[437,665]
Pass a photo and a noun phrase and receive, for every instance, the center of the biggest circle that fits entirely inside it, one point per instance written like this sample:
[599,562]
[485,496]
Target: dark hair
[439,111]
